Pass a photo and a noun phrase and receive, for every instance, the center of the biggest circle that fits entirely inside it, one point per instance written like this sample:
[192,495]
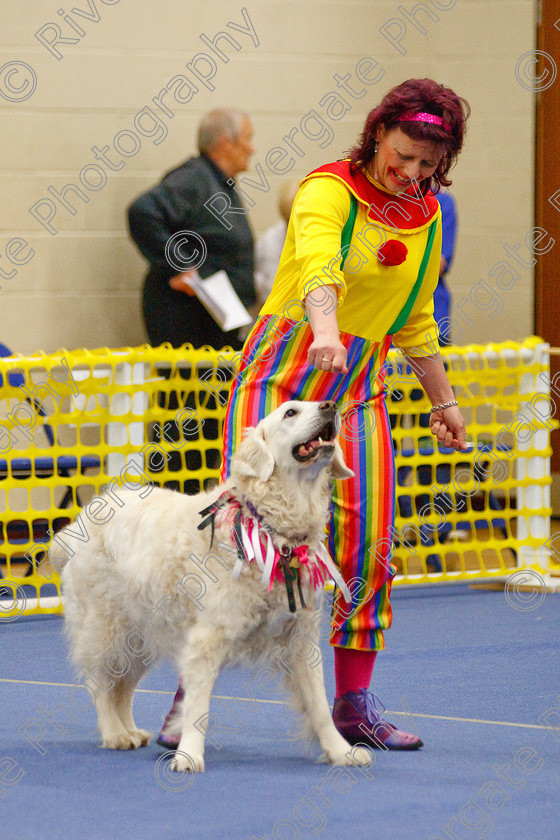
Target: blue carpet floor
[476,678]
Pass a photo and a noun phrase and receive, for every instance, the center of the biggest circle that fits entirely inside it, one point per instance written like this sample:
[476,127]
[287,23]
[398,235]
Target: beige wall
[81,287]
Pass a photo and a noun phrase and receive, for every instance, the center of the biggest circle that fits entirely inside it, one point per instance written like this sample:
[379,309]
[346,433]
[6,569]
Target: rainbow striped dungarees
[274,369]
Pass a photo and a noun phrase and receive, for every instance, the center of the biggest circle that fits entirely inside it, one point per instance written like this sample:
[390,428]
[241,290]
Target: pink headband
[429,118]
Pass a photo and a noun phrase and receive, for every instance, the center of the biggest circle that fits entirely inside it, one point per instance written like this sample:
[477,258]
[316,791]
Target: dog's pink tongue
[306,448]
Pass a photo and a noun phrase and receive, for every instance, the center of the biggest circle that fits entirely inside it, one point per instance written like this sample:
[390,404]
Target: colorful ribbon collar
[254,542]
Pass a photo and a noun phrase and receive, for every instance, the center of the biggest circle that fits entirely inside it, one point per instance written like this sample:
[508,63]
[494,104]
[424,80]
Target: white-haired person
[183,202]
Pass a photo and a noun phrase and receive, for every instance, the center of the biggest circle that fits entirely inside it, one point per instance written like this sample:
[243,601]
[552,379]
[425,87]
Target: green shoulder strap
[346,234]
[403,315]
[345,238]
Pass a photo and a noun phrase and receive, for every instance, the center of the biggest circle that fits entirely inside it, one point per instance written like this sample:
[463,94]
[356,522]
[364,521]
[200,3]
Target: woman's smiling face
[400,159]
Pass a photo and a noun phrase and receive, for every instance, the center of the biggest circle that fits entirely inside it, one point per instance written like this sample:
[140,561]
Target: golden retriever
[147,576]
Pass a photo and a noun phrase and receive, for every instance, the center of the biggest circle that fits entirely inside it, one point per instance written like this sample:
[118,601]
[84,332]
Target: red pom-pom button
[392,252]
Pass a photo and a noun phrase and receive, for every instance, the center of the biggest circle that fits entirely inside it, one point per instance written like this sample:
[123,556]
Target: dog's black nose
[327,405]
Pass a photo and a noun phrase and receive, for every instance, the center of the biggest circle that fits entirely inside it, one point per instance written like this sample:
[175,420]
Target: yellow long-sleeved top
[370,294]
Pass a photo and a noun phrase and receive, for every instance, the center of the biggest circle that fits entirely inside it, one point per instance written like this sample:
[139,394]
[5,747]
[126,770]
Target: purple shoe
[357,717]
[167,737]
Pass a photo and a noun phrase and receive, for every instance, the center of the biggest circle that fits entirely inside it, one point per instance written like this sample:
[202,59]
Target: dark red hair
[413,97]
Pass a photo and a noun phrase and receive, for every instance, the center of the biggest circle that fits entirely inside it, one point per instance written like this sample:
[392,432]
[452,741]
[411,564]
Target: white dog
[147,576]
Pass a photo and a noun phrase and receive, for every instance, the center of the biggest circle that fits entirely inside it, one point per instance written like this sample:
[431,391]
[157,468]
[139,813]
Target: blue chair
[15,379]
[21,466]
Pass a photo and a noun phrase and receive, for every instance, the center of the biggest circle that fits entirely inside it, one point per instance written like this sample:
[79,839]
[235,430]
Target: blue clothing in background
[442,297]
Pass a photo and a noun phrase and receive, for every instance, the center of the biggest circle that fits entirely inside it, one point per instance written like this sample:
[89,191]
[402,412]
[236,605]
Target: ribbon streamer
[254,543]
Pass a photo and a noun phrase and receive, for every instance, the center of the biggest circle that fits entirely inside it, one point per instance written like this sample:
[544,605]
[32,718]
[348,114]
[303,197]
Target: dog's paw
[351,757]
[185,763]
[358,757]
[142,736]
[123,741]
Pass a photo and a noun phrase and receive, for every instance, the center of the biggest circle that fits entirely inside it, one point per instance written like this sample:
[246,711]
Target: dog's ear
[253,458]
[339,468]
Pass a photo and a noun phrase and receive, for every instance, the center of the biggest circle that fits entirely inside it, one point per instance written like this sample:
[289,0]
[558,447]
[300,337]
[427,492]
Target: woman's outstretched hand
[449,427]
[327,352]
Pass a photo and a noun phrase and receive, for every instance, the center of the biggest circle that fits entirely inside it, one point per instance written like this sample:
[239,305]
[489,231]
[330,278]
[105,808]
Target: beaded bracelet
[445,405]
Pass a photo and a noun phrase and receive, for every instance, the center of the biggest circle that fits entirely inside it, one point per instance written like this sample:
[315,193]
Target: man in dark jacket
[190,201]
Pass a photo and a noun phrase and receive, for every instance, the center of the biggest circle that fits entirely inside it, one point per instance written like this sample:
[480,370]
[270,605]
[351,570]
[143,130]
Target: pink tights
[352,669]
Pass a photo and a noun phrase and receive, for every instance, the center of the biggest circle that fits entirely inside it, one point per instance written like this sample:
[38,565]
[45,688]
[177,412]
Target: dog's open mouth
[324,437]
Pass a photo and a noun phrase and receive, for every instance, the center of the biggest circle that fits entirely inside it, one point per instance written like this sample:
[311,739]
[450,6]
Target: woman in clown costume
[358,271]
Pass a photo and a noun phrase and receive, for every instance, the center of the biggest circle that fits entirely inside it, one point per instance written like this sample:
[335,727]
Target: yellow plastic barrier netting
[73,423]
